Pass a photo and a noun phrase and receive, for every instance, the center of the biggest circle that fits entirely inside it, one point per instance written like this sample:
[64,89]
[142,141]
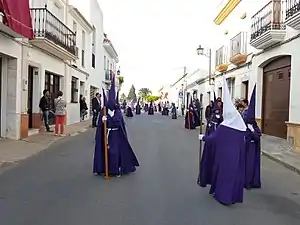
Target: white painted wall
[292,49]
[110,63]
[241,74]
[44,62]
[11,87]
[82,73]
[97,75]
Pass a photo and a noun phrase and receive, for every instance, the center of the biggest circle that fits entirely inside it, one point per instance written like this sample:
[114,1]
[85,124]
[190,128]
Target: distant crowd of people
[150,108]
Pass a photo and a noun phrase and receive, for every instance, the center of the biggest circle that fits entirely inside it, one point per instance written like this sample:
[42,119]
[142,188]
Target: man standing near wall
[96,107]
[45,107]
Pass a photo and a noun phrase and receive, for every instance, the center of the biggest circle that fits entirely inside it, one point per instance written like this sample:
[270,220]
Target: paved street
[57,185]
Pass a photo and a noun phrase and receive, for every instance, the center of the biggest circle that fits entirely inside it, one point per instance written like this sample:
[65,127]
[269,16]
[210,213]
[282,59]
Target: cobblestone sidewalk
[12,151]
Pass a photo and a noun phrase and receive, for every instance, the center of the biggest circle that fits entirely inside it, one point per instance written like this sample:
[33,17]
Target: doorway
[245,89]
[52,83]
[30,97]
[276,97]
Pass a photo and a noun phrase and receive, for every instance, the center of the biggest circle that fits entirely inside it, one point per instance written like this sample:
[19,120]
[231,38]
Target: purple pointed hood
[215,106]
[112,94]
[251,108]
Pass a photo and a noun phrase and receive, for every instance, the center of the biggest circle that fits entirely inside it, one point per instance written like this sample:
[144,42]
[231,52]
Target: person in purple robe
[146,107]
[121,158]
[151,109]
[208,156]
[228,145]
[189,120]
[253,151]
[129,112]
[138,108]
[216,118]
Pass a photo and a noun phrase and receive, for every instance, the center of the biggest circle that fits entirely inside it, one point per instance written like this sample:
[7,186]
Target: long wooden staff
[105,144]
[201,130]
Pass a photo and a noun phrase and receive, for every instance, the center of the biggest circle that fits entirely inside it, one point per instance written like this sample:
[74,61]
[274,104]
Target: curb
[281,162]
[5,165]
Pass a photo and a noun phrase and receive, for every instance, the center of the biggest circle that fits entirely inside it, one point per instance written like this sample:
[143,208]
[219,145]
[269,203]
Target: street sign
[180,94]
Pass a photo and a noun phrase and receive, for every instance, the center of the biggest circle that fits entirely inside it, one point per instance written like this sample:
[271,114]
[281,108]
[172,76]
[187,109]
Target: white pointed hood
[231,116]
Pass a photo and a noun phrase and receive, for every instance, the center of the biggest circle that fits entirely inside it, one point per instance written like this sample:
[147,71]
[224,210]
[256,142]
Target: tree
[144,92]
[121,80]
[132,94]
[152,98]
[123,97]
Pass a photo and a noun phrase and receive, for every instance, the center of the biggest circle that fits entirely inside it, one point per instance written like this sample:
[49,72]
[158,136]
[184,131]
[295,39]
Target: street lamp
[200,51]
[118,72]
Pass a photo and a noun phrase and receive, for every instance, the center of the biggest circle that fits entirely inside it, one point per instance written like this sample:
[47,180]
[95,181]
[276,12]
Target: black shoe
[49,131]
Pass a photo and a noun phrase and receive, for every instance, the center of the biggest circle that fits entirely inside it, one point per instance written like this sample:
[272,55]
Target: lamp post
[200,51]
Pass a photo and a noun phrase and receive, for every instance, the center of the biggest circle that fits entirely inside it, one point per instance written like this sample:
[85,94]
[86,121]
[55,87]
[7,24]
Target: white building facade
[110,60]
[66,54]
[261,43]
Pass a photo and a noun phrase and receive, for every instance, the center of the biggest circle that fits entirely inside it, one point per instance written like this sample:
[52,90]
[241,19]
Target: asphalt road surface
[57,186]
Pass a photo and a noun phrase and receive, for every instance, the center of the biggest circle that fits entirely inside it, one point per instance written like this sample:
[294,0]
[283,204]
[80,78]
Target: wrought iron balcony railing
[270,17]
[238,44]
[46,25]
[292,7]
[221,56]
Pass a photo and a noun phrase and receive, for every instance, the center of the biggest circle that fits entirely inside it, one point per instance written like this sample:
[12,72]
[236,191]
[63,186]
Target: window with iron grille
[74,90]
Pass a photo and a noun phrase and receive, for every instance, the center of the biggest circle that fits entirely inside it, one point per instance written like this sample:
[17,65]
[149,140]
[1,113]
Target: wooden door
[276,96]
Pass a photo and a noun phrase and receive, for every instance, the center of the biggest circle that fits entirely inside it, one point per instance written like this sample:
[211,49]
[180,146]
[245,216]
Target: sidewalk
[280,151]
[12,151]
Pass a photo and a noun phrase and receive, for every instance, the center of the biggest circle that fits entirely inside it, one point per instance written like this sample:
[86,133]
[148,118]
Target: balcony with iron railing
[108,76]
[292,14]
[267,25]
[222,59]
[53,35]
[238,49]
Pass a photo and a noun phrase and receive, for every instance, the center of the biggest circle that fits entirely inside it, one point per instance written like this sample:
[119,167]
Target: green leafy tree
[144,93]
[132,94]
[152,98]
[121,80]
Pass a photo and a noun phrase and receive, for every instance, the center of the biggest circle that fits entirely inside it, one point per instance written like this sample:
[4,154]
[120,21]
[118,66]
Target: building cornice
[184,75]
[76,14]
[226,10]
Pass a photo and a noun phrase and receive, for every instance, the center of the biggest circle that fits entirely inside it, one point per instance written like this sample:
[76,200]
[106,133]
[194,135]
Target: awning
[17,14]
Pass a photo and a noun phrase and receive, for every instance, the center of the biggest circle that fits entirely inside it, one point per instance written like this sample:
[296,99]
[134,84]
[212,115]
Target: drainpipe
[66,75]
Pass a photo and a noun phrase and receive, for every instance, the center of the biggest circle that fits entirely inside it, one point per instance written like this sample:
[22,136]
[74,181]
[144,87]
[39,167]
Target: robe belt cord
[108,132]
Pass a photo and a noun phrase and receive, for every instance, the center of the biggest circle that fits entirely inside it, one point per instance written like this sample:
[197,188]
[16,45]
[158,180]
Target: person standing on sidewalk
[96,107]
[45,108]
[182,109]
[83,107]
[60,113]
